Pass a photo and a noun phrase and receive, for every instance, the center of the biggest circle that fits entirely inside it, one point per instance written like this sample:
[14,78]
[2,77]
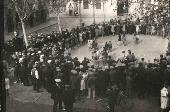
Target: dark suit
[56,94]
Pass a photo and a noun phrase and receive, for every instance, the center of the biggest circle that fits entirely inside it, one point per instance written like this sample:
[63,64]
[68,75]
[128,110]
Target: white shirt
[36,74]
[164,91]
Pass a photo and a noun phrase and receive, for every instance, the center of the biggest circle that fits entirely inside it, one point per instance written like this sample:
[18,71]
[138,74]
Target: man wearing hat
[23,73]
[91,83]
[167,75]
[112,94]
[68,98]
[56,93]
[75,83]
[35,77]
[44,73]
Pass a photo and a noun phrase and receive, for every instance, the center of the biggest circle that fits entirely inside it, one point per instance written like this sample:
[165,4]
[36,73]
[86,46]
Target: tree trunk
[93,12]
[24,33]
[103,12]
[59,26]
[80,12]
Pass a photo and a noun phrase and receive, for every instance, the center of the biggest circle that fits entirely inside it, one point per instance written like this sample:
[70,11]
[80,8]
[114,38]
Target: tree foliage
[56,5]
[24,8]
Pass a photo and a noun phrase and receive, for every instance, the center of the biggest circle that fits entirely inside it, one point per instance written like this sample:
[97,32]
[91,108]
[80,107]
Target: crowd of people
[47,63]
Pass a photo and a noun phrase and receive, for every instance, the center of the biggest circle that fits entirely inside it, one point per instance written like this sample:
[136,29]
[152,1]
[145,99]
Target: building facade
[110,8]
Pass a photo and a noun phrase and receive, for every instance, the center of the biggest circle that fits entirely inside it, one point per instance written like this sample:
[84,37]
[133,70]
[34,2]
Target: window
[85,4]
[98,4]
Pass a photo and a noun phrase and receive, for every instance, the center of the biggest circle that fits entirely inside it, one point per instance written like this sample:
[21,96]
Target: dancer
[124,40]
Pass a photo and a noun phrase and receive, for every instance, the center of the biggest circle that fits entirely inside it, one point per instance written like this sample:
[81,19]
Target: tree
[56,7]
[104,1]
[93,3]
[24,8]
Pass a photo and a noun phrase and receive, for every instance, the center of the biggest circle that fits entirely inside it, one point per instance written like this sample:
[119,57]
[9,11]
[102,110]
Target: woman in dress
[83,83]
[81,38]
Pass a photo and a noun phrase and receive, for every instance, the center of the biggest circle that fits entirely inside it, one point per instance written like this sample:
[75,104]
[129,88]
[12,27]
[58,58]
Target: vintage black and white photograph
[86,56]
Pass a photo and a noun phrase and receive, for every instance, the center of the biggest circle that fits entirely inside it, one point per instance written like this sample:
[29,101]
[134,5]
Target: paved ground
[23,99]
[149,48]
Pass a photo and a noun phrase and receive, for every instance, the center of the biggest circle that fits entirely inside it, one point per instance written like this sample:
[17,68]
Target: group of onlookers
[47,63]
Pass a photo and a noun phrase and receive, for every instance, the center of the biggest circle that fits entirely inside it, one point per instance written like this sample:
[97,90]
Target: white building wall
[108,9]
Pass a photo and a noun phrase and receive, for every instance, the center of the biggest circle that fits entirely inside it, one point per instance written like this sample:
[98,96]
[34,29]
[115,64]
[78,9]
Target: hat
[57,80]
[73,71]
[34,66]
[90,69]
[20,60]
[39,52]
[106,67]
[36,62]
[111,67]
[81,66]
[68,61]
[93,70]
[49,61]
[168,66]
[58,69]
[67,86]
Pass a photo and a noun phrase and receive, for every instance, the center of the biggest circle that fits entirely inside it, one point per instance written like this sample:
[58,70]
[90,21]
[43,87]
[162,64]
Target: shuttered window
[85,4]
[98,4]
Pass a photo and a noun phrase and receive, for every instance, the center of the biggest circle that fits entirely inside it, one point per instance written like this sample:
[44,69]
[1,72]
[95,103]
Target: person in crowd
[75,80]
[109,46]
[85,63]
[57,94]
[137,29]
[55,68]
[35,76]
[23,73]
[136,38]
[112,93]
[44,73]
[68,98]
[124,40]
[7,85]
[166,75]
[119,37]
[83,84]
[129,77]
[164,99]
[91,81]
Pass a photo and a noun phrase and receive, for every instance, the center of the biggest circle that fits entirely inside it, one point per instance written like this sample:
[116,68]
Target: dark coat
[75,81]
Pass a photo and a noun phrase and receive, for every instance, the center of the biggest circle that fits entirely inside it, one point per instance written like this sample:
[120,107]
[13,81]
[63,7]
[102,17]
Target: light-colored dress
[81,37]
[83,83]
[164,98]
[113,28]
[153,30]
